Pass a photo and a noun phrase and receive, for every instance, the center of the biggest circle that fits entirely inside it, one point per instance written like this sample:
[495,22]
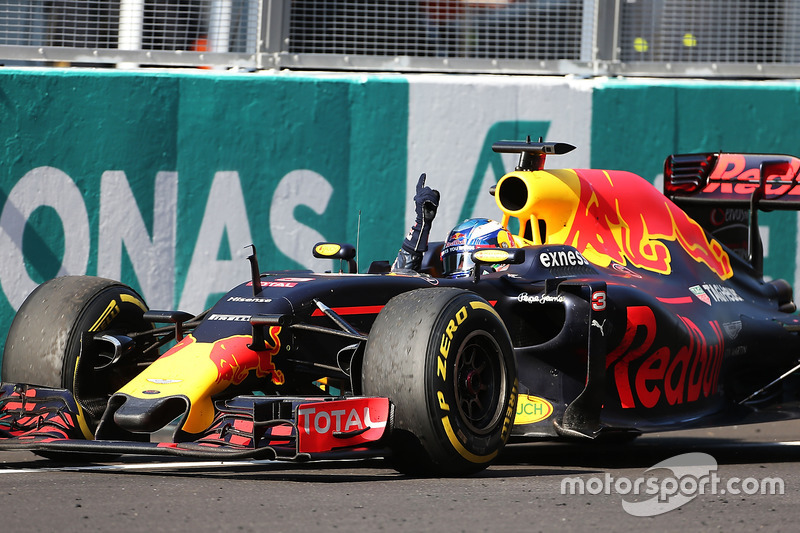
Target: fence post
[219,31]
[131,20]
[273,30]
[606,47]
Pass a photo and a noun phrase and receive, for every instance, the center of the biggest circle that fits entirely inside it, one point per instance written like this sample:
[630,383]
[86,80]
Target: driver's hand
[426,201]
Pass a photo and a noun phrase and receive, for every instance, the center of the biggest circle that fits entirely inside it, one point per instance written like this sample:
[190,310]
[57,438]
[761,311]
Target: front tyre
[444,358]
[50,342]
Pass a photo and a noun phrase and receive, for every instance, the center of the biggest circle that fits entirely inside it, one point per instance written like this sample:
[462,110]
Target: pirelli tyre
[51,340]
[444,358]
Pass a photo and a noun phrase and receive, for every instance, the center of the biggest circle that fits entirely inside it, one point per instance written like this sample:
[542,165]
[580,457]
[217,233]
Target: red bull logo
[199,370]
[621,218]
[234,360]
[740,174]
[648,373]
[611,217]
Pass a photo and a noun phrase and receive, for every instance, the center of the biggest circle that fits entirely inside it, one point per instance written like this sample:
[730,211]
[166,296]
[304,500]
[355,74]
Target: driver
[463,239]
[470,235]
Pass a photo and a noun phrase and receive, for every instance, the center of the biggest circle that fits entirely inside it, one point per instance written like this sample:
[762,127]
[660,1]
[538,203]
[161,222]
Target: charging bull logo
[196,371]
[609,216]
[234,360]
[619,219]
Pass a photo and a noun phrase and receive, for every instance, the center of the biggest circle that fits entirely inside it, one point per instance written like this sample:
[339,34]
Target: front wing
[43,419]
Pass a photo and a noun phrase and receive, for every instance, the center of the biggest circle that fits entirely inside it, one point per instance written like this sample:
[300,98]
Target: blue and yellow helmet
[470,235]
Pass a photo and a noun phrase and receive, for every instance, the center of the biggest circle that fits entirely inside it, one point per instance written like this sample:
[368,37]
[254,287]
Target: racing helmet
[470,235]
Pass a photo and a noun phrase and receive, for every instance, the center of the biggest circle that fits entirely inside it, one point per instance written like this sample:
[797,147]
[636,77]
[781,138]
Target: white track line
[166,465]
[136,466]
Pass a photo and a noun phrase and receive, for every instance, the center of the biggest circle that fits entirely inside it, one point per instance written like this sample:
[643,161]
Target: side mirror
[332,250]
[496,256]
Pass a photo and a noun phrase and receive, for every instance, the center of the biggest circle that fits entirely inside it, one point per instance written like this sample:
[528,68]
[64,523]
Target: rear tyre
[50,342]
[444,358]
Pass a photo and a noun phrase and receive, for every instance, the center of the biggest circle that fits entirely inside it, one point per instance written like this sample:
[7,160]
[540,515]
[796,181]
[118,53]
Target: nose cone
[143,415]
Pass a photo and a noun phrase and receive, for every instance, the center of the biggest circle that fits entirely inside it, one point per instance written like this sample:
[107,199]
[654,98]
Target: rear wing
[743,184]
[762,181]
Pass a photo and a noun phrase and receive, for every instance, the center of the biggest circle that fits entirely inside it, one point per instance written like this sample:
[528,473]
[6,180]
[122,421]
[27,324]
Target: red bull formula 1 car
[614,312]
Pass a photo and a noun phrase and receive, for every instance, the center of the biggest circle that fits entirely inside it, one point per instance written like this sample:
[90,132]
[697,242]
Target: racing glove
[426,202]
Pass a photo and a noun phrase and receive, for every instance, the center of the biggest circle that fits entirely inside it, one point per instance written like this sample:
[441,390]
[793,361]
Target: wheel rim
[480,382]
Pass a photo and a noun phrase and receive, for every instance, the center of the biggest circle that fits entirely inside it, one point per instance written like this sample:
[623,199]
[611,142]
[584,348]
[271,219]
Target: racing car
[614,309]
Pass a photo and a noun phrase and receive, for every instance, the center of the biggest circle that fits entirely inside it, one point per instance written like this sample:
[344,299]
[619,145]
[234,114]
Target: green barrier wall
[163,179]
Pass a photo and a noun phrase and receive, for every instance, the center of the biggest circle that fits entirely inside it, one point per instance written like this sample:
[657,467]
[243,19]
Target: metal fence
[734,38]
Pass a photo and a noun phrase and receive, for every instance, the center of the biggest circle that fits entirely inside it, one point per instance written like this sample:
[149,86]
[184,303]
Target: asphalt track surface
[521,492]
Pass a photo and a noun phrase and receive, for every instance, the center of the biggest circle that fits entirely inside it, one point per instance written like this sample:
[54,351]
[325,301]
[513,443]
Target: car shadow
[645,452]
[532,459]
